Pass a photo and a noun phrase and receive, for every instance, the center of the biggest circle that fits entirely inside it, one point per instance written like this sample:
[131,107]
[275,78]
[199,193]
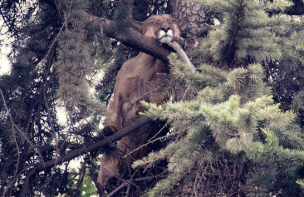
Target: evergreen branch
[21,132]
[15,139]
[271,138]
[300,182]
[53,42]
[298,101]
[52,128]
[149,142]
[296,56]
[277,6]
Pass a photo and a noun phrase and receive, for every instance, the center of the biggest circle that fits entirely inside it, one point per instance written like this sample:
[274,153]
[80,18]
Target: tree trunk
[197,19]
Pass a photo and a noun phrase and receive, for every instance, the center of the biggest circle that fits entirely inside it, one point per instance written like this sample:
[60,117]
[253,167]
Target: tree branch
[182,55]
[129,37]
[80,151]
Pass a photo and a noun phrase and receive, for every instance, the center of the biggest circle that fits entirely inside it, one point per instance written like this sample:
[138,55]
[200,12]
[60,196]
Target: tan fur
[139,78]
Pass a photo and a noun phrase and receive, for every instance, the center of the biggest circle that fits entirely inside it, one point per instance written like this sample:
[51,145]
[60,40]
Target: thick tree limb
[129,37]
[132,38]
[80,151]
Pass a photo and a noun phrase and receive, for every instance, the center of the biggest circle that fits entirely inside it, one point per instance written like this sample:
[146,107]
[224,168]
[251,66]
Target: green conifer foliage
[237,116]
[233,112]
[245,34]
[232,130]
[74,57]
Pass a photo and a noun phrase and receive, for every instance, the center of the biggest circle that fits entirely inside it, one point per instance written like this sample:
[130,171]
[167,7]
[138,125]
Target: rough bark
[196,13]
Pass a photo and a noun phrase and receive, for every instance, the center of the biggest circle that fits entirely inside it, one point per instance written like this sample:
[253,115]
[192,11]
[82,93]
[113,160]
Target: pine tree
[235,117]
[234,124]
[45,45]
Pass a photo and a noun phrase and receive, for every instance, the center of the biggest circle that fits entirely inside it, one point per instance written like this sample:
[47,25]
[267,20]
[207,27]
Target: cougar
[140,78]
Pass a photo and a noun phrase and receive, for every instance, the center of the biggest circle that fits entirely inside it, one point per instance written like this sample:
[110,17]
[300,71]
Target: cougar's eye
[156,22]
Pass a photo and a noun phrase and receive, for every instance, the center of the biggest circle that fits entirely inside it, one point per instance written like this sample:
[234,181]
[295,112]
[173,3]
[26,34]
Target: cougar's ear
[137,25]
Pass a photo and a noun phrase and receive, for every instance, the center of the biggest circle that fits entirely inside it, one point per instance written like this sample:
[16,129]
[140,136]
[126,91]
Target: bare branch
[80,151]
[117,189]
[182,55]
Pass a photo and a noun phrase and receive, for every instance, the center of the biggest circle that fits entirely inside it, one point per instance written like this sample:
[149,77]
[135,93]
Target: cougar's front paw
[108,130]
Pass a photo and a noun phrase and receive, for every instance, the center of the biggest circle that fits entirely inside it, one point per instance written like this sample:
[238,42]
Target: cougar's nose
[165,28]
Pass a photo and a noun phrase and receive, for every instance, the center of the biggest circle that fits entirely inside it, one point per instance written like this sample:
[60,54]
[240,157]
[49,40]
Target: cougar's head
[163,27]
